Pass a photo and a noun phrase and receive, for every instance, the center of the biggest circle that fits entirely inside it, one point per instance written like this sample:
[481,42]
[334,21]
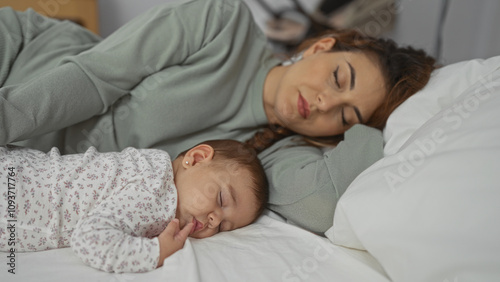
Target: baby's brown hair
[232,152]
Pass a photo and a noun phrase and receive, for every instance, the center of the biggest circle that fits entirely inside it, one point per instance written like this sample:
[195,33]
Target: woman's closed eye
[336,76]
[344,121]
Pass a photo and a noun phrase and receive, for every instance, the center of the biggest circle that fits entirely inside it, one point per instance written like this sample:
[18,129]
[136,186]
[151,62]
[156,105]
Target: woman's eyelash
[220,198]
[344,121]
[335,75]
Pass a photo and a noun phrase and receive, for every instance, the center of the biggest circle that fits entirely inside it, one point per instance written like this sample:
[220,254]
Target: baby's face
[215,198]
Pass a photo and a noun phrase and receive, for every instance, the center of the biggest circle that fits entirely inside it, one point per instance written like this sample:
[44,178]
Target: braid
[269,135]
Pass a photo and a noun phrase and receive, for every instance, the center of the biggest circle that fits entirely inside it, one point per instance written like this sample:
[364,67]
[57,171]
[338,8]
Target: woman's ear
[199,154]
[324,44]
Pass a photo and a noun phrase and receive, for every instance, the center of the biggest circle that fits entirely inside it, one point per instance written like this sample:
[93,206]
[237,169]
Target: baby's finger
[184,233]
[172,227]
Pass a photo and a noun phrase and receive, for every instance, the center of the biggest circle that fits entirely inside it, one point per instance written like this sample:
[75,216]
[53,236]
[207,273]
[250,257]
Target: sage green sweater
[179,74]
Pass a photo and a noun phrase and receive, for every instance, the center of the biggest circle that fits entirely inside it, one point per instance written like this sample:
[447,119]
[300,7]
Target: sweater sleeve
[306,183]
[120,234]
[52,98]
[89,83]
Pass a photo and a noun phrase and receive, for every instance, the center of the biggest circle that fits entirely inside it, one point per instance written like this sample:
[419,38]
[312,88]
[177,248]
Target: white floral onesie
[109,207]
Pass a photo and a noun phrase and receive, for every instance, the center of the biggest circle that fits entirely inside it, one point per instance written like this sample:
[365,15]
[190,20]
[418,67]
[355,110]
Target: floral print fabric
[109,207]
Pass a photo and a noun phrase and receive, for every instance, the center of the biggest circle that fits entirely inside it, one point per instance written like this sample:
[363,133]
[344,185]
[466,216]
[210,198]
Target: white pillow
[445,85]
[430,212]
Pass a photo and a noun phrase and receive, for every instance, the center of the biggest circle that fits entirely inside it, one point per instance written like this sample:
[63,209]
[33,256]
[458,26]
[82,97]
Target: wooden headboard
[83,12]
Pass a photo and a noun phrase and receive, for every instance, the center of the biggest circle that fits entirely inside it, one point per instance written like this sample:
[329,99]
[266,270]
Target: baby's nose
[214,219]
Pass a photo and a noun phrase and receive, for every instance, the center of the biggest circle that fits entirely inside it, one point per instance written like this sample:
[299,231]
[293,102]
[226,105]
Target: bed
[427,211]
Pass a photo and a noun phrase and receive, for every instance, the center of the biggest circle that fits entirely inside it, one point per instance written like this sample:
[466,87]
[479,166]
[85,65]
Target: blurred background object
[288,26]
[453,30]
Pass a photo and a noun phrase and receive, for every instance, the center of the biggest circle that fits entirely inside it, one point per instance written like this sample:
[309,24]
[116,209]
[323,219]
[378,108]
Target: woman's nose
[326,101]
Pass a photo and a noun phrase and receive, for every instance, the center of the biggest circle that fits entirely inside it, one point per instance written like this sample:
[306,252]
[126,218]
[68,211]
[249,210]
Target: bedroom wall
[470,29]
[115,13]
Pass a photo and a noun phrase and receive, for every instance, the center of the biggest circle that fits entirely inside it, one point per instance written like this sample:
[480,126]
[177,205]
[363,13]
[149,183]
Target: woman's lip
[303,107]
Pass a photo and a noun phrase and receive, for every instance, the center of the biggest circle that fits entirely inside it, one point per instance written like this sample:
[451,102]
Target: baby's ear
[201,153]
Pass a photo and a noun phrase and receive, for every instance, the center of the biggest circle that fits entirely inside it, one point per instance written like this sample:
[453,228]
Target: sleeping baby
[126,211]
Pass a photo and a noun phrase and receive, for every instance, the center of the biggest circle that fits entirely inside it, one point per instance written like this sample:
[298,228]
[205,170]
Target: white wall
[416,23]
[470,28]
[115,13]
[470,31]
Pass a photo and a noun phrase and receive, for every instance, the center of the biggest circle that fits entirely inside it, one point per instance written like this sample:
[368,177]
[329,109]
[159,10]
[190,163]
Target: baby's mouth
[196,226]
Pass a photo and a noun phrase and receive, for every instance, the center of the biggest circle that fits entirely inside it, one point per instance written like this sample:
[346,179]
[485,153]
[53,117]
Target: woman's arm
[87,84]
[306,183]
[35,97]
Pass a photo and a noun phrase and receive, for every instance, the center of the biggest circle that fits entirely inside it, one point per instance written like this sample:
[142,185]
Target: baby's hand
[172,239]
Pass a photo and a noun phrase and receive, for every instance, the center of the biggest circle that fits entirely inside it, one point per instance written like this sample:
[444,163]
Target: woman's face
[326,93]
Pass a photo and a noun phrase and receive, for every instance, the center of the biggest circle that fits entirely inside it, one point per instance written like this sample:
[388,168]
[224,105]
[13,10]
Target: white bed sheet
[269,250]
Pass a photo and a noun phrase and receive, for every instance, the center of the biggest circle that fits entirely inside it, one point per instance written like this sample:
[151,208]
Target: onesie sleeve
[88,84]
[120,234]
[306,182]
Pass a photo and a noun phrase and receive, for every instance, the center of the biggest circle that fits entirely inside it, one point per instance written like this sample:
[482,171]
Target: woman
[204,68]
